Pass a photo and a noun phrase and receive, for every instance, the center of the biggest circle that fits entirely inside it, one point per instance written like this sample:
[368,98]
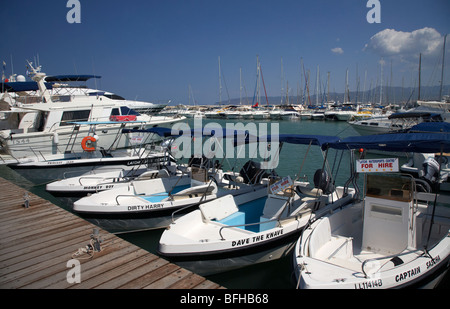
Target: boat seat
[324,245]
[308,191]
[320,236]
[219,209]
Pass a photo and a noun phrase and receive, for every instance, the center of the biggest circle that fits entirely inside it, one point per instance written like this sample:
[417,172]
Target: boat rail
[130,195]
[114,179]
[388,259]
[250,224]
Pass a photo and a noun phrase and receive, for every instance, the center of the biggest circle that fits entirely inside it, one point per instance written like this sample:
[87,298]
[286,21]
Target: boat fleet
[119,165]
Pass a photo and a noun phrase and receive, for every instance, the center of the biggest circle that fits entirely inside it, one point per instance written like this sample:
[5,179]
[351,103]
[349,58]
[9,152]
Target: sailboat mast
[282,81]
[420,67]
[317,87]
[442,73]
[381,83]
[328,87]
[346,87]
[240,86]
[220,85]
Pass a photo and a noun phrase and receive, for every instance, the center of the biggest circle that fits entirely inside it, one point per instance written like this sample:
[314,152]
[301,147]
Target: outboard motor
[323,181]
[252,173]
[200,162]
[430,171]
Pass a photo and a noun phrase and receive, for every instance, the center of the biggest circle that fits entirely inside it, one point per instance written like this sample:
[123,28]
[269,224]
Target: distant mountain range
[391,95]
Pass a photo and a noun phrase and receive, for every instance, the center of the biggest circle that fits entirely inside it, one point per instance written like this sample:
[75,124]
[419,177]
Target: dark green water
[271,275]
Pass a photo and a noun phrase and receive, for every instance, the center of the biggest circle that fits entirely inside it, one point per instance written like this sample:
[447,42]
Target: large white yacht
[37,117]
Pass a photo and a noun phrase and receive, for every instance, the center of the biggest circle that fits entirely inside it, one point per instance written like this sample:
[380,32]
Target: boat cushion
[219,209]
[319,237]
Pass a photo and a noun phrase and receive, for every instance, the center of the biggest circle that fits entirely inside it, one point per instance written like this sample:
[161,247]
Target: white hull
[201,242]
[148,202]
[344,116]
[374,126]
[41,144]
[100,180]
[290,116]
[341,251]
[40,172]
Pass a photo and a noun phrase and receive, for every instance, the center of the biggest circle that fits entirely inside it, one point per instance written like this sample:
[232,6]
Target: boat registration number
[370,284]
[20,141]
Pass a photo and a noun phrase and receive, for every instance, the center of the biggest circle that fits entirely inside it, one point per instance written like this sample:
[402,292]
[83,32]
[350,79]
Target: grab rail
[127,195]
[249,224]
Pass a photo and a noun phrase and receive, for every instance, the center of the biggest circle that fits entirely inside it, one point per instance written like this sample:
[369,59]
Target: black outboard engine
[200,162]
[323,181]
[252,173]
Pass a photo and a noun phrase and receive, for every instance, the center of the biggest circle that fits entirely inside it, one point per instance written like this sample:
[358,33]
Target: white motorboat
[102,179]
[109,177]
[42,169]
[61,166]
[259,114]
[317,115]
[395,237]
[400,121]
[40,114]
[236,231]
[429,167]
[149,203]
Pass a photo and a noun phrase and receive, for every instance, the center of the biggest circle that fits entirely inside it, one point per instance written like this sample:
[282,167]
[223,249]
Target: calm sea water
[271,275]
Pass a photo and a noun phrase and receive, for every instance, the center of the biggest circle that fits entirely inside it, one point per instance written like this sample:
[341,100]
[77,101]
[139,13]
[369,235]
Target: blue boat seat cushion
[219,209]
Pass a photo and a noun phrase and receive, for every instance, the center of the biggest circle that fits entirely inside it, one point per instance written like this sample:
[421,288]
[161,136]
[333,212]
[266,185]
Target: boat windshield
[389,186]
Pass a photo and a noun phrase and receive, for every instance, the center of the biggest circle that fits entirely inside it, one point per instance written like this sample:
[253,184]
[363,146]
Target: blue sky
[153,50]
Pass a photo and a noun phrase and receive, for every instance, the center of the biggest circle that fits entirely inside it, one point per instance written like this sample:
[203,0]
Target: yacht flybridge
[38,117]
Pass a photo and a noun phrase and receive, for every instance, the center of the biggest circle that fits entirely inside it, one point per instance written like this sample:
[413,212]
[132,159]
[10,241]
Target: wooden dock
[38,244]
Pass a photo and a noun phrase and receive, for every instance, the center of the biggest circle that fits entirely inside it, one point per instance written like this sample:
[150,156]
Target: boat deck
[39,243]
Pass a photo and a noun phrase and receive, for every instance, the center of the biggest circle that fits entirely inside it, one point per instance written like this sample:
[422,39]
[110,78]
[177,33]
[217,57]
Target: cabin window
[61,98]
[199,174]
[113,96]
[71,116]
[392,187]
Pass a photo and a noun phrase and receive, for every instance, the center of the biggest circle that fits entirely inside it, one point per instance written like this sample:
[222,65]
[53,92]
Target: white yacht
[427,111]
[37,117]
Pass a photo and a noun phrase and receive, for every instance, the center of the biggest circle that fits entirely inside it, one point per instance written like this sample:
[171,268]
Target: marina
[179,145]
[272,274]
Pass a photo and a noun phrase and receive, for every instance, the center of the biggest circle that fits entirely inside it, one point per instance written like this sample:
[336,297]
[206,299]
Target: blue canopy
[399,142]
[431,127]
[21,86]
[70,78]
[320,140]
[240,137]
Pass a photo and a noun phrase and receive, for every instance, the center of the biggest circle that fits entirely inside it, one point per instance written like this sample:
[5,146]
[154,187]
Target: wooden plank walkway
[38,242]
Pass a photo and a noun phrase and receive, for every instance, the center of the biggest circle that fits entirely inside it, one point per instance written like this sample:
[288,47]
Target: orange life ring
[87,143]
